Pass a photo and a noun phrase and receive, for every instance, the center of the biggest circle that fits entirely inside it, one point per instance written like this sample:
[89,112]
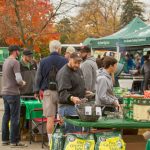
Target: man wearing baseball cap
[28,71]
[11,81]
[71,89]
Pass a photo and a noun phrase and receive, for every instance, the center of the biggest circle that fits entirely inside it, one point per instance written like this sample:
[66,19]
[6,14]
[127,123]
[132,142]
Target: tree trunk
[19,23]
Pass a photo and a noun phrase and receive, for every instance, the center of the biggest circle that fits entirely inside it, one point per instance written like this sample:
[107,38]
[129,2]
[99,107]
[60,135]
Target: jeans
[12,114]
[68,110]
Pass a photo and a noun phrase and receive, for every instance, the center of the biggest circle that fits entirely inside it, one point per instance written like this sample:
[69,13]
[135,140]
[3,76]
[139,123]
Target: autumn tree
[96,18]
[64,28]
[130,10]
[30,23]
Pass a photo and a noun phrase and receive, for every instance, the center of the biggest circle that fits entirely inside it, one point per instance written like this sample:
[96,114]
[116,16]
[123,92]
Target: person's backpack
[52,84]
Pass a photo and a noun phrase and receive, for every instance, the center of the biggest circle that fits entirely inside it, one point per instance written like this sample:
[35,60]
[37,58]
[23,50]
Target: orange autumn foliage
[36,26]
[13,40]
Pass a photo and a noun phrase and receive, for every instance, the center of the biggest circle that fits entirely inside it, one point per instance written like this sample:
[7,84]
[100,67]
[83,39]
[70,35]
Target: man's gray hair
[54,46]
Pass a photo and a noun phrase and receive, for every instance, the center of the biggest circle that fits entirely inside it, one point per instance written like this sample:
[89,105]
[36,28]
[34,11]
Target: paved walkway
[33,146]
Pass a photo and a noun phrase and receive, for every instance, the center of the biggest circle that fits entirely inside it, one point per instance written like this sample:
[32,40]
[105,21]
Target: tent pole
[118,48]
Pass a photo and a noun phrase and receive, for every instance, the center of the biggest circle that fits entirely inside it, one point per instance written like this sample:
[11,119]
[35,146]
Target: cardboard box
[38,138]
[134,142]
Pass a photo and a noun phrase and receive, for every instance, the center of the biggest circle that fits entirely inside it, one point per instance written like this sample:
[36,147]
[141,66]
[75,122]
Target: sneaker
[18,145]
[5,143]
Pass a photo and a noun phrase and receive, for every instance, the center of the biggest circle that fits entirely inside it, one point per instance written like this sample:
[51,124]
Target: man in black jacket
[71,88]
[28,70]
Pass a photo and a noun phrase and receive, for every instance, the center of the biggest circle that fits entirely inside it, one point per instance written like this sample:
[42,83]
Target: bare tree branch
[52,15]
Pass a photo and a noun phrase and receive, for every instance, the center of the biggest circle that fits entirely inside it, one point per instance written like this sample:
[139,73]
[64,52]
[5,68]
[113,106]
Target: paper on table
[88,110]
[98,111]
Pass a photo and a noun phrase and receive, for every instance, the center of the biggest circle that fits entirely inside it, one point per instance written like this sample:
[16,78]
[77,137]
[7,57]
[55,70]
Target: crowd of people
[134,61]
[63,82]
[139,64]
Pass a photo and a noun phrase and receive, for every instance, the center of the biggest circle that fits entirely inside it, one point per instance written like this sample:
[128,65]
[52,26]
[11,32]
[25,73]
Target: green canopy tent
[111,41]
[87,41]
[138,38]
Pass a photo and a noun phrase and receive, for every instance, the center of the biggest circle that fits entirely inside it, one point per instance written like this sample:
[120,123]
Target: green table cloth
[30,105]
[109,123]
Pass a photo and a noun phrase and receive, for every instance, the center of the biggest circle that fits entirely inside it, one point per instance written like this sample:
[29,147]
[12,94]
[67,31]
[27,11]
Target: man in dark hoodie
[88,67]
[104,84]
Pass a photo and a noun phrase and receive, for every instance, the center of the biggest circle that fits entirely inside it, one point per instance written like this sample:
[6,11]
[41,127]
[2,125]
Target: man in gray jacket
[88,68]
[104,84]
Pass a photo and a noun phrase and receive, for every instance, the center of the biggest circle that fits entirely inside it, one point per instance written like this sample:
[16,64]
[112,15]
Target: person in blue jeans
[11,81]
[71,89]
[66,111]
[11,106]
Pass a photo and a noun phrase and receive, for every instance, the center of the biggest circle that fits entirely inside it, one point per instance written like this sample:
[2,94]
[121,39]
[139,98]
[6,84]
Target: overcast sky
[74,11]
[146,8]
[145,1]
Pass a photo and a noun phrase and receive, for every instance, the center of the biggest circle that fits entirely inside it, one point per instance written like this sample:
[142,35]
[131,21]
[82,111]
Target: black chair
[36,125]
